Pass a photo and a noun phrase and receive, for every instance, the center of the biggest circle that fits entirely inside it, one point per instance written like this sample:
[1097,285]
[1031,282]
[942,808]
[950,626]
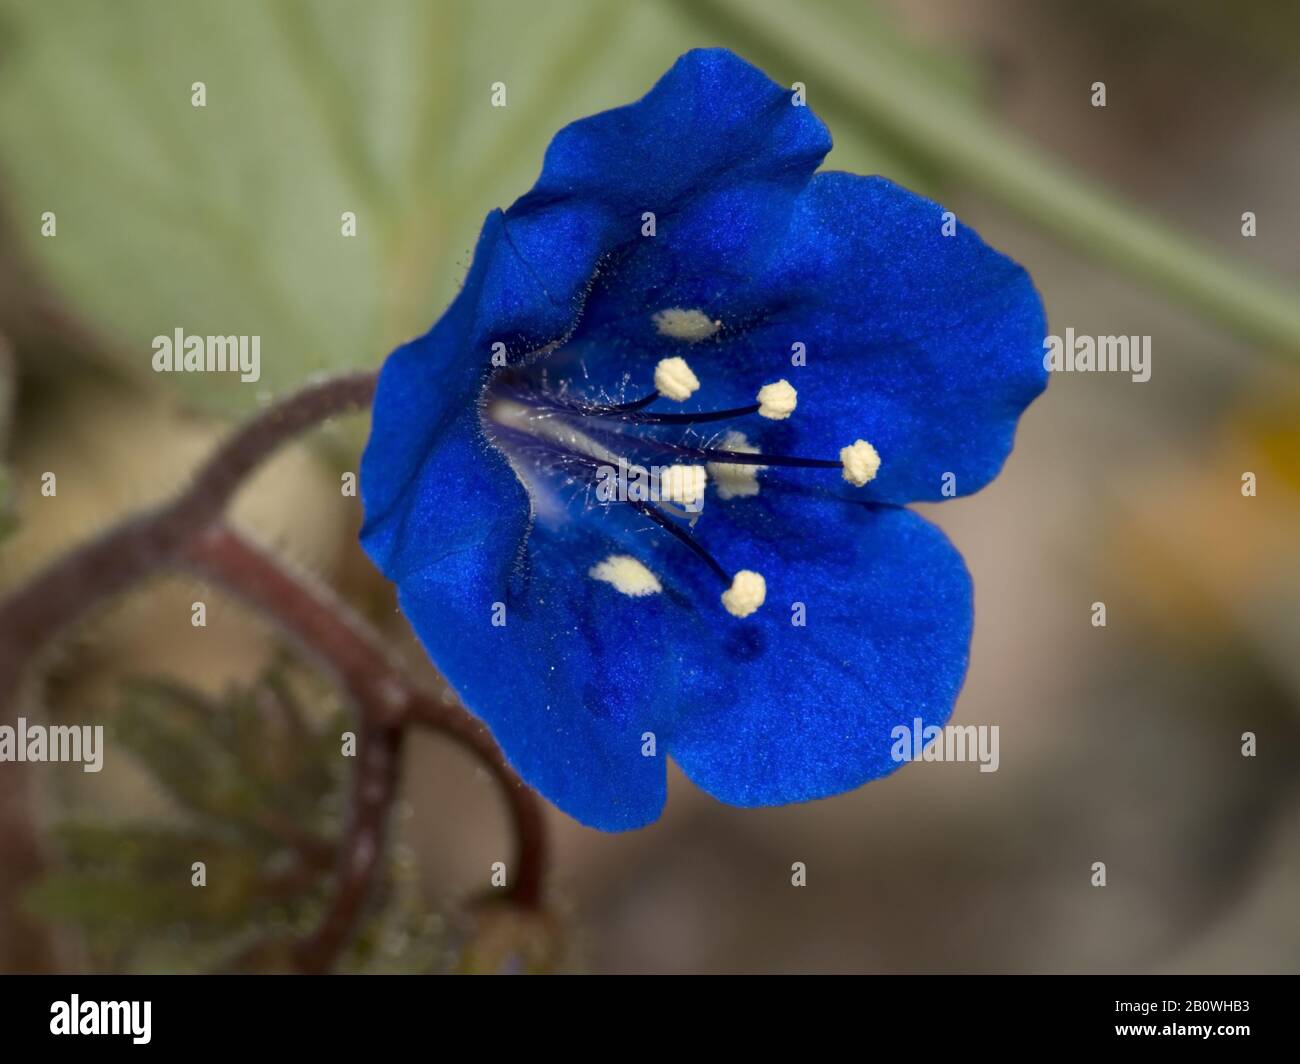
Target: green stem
[868,79]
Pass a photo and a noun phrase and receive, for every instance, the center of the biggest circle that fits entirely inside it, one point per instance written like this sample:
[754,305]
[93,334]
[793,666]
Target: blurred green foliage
[258,785]
[226,219]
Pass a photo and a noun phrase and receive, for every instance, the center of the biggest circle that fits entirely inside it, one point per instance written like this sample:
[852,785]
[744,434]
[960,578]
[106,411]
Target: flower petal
[928,346]
[788,713]
[711,120]
[757,712]
[570,682]
[430,483]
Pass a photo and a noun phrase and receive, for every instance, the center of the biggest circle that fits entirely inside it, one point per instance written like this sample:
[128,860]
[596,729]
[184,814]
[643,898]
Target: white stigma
[683,484]
[678,323]
[735,481]
[674,379]
[777,400]
[627,575]
[747,592]
[861,462]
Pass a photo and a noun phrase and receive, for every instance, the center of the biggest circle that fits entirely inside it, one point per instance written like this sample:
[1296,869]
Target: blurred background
[1120,744]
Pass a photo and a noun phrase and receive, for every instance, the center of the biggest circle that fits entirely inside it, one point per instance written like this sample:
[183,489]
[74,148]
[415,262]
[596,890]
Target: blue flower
[681,312]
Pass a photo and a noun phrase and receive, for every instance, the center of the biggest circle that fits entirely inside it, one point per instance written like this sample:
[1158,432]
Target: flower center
[628,453]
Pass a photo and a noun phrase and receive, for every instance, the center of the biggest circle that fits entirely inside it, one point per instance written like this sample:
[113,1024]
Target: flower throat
[547,431]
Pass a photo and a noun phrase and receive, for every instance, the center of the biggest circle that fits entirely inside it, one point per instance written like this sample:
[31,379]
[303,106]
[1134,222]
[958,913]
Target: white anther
[627,575]
[777,400]
[747,592]
[674,379]
[861,462]
[678,323]
[683,484]
[734,481]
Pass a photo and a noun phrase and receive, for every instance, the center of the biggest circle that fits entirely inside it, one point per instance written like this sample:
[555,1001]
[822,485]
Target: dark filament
[682,536]
[631,413]
[694,419]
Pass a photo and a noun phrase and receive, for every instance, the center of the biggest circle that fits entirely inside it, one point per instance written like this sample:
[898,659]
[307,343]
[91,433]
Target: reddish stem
[187,531]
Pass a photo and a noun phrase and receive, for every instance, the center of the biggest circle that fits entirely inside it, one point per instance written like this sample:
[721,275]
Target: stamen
[735,481]
[858,462]
[627,575]
[707,454]
[678,323]
[674,379]
[777,400]
[619,408]
[748,591]
[861,462]
[694,419]
[680,534]
[547,431]
[683,484]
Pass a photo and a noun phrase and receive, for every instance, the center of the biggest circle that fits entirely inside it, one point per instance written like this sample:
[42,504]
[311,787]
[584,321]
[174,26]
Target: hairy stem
[73,586]
[525,809]
[188,532]
[387,701]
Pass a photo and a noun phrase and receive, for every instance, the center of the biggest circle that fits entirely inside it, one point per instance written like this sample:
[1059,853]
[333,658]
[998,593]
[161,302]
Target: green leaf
[257,784]
[226,219]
